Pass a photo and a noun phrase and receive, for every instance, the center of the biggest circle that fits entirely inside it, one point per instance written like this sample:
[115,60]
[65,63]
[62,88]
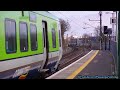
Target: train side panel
[20,62]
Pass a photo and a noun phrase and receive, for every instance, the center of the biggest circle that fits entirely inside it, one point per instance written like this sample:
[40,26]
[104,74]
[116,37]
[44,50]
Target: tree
[65,26]
[97,31]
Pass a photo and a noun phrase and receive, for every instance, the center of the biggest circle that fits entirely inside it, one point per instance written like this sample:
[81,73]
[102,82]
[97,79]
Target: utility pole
[105,42]
[100,13]
[109,41]
[113,23]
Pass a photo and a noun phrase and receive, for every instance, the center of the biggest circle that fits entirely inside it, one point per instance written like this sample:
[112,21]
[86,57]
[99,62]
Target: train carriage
[30,43]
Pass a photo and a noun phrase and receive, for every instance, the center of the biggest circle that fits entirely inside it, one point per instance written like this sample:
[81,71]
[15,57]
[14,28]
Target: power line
[68,18]
[72,17]
[80,18]
[90,25]
[71,20]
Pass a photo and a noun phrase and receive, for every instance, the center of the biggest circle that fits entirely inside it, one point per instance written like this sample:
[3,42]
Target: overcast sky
[77,20]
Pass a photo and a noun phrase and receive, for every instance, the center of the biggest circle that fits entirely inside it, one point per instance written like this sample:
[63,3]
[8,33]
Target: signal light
[105,30]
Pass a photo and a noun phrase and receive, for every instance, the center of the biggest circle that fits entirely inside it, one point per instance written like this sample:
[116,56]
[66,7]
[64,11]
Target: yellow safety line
[82,67]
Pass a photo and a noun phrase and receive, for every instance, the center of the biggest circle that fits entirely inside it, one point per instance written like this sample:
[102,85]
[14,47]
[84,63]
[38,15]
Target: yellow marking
[23,76]
[82,67]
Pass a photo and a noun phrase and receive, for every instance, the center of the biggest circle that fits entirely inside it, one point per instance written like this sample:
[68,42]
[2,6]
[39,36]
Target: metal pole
[113,27]
[100,12]
[105,42]
[109,41]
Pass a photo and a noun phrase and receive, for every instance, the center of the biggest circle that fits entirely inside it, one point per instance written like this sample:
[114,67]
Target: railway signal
[105,29]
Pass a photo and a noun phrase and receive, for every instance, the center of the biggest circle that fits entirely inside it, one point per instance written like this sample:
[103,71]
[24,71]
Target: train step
[44,70]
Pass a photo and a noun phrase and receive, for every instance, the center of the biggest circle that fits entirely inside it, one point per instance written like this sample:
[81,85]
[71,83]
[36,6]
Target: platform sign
[112,20]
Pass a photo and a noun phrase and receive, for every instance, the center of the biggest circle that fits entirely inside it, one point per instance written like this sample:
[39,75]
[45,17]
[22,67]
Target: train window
[33,34]
[23,37]
[59,38]
[10,34]
[44,36]
[54,38]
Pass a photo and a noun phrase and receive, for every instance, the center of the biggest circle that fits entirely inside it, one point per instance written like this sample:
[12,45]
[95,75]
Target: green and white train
[30,43]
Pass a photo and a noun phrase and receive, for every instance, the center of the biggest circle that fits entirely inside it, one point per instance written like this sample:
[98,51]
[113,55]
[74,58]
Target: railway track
[69,58]
[68,54]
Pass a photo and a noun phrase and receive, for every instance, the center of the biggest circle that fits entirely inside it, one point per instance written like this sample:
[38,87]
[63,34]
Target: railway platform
[95,64]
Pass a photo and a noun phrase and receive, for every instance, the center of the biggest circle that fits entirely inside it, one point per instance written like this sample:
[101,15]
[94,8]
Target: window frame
[36,37]
[12,20]
[23,22]
[44,41]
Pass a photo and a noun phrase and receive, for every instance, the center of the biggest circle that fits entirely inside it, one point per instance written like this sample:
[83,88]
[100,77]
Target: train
[30,44]
[79,42]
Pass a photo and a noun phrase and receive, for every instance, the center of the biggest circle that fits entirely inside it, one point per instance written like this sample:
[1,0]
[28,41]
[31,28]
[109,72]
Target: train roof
[47,14]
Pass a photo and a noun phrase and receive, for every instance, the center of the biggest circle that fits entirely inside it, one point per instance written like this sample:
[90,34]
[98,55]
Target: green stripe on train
[17,16]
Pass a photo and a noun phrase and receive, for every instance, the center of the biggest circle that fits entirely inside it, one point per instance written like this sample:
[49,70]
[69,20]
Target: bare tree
[97,31]
[65,26]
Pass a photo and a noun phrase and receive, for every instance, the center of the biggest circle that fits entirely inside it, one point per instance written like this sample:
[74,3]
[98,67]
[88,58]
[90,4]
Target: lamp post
[100,13]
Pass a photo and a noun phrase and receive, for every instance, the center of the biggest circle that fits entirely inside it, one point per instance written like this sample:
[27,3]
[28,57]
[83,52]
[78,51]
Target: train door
[46,46]
[60,47]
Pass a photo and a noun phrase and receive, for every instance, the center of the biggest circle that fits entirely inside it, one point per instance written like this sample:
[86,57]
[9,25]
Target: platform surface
[102,66]
[95,63]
